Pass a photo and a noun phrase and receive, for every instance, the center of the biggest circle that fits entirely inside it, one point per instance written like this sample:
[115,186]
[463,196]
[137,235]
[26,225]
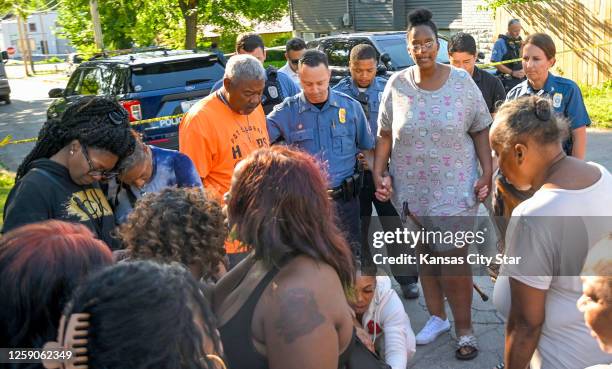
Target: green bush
[598,101]
[7,180]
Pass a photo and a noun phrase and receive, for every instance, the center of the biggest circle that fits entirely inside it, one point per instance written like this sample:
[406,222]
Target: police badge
[273,92]
[557,99]
[342,115]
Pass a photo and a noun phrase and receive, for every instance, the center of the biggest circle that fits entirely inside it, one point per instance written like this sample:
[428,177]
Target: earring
[71,152]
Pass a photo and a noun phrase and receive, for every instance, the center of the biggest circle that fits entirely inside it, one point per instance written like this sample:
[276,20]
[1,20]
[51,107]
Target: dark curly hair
[177,225]
[145,315]
[94,121]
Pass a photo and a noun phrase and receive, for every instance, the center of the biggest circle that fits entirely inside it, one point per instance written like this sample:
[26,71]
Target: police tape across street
[171,120]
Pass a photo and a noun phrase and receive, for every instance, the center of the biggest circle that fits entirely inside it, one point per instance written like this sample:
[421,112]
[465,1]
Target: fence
[573,25]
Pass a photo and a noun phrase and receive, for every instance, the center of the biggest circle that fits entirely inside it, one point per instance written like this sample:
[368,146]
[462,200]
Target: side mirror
[381,70]
[56,92]
[385,58]
[480,56]
[4,56]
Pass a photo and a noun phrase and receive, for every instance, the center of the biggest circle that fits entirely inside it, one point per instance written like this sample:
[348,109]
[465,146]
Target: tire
[7,100]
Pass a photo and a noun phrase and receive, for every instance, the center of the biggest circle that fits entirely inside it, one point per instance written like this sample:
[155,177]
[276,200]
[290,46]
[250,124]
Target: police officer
[366,87]
[332,127]
[508,47]
[278,85]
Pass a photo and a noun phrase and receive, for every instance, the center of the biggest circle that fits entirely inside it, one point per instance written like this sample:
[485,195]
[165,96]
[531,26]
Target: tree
[172,23]
[494,4]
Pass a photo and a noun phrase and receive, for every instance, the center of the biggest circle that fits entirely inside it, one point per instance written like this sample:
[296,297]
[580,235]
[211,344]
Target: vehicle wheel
[7,100]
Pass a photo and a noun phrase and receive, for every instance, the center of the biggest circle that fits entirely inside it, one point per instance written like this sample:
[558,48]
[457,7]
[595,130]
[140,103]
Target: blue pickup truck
[148,84]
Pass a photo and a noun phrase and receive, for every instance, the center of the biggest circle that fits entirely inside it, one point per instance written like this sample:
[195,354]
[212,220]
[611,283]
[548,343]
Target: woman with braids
[58,179]
[193,230]
[148,169]
[142,315]
[284,305]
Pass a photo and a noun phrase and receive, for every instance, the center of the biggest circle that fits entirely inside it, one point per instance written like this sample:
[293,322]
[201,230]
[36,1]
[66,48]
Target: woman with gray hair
[548,237]
[148,169]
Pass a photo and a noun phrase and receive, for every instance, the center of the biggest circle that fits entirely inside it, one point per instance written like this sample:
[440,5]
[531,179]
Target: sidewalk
[440,354]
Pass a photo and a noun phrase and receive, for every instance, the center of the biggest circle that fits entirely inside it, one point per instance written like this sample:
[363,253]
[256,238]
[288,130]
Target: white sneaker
[432,329]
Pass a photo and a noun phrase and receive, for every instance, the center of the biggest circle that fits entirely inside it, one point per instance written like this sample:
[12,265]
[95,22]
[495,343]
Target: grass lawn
[598,101]
[6,183]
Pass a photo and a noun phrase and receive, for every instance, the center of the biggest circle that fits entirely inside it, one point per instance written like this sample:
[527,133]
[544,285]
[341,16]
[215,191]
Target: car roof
[151,57]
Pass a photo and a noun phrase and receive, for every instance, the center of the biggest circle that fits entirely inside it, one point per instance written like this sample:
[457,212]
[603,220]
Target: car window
[94,80]
[177,73]
[397,50]
[118,84]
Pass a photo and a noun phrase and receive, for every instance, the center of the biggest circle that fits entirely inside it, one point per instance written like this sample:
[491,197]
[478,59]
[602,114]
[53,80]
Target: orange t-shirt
[216,138]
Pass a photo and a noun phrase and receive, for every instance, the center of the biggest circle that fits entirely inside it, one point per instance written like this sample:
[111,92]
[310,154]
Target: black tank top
[239,349]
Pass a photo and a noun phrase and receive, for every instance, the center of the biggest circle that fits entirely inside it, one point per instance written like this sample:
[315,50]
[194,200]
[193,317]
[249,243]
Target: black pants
[390,221]
[349,222]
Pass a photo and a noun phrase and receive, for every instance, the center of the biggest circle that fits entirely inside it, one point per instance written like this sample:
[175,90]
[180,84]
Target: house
[42,34]
[317,18]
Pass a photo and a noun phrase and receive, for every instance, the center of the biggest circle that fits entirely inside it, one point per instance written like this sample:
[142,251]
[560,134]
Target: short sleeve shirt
[333,134]
[499,50]
[552,233]
[433,158]
[565,95]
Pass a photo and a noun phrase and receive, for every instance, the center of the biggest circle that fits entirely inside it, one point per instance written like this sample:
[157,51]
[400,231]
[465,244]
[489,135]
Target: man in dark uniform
[364,86]
[508,47]
[278,85]
[462,54]
[332,127]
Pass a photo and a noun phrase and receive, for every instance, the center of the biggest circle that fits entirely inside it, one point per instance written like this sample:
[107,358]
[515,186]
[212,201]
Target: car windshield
[397,50]
[177,73]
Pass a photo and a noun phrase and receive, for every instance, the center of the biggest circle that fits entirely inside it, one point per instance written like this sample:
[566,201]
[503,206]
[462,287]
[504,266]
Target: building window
[373,1]
[32,27]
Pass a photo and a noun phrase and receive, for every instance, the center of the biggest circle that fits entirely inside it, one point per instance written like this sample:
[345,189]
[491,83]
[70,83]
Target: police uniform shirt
[373,92]
[334,134]
[287,86]
[491,88]
[499,50]
[565,95]
[566,100]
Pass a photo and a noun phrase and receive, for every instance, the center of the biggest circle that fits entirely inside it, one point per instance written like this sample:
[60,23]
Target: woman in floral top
[433,126]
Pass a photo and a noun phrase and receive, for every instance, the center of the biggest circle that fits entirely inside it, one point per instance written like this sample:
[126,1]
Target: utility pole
[24,45]
[97,28]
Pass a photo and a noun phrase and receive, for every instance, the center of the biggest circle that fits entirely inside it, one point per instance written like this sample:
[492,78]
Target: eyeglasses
[106,174]
[426,46]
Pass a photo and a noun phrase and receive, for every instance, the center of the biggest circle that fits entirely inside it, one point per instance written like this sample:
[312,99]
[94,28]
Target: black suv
[390,46]
[148,84]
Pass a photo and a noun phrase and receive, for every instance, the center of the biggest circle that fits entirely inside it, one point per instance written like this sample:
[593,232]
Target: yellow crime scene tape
[8,140]
[493,64]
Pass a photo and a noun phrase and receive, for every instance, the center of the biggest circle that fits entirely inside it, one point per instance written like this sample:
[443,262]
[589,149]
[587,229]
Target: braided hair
[145,315]
[94,121]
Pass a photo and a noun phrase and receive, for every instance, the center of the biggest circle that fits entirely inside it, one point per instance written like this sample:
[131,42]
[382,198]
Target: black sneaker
[410,290]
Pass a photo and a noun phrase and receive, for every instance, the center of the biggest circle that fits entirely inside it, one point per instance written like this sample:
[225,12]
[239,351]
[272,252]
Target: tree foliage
[173,23]
[494,4]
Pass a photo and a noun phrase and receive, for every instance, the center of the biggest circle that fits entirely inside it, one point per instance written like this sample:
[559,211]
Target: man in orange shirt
[226,126]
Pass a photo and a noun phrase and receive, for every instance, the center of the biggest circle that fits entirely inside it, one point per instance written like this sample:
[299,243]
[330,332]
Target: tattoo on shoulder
[298,314]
